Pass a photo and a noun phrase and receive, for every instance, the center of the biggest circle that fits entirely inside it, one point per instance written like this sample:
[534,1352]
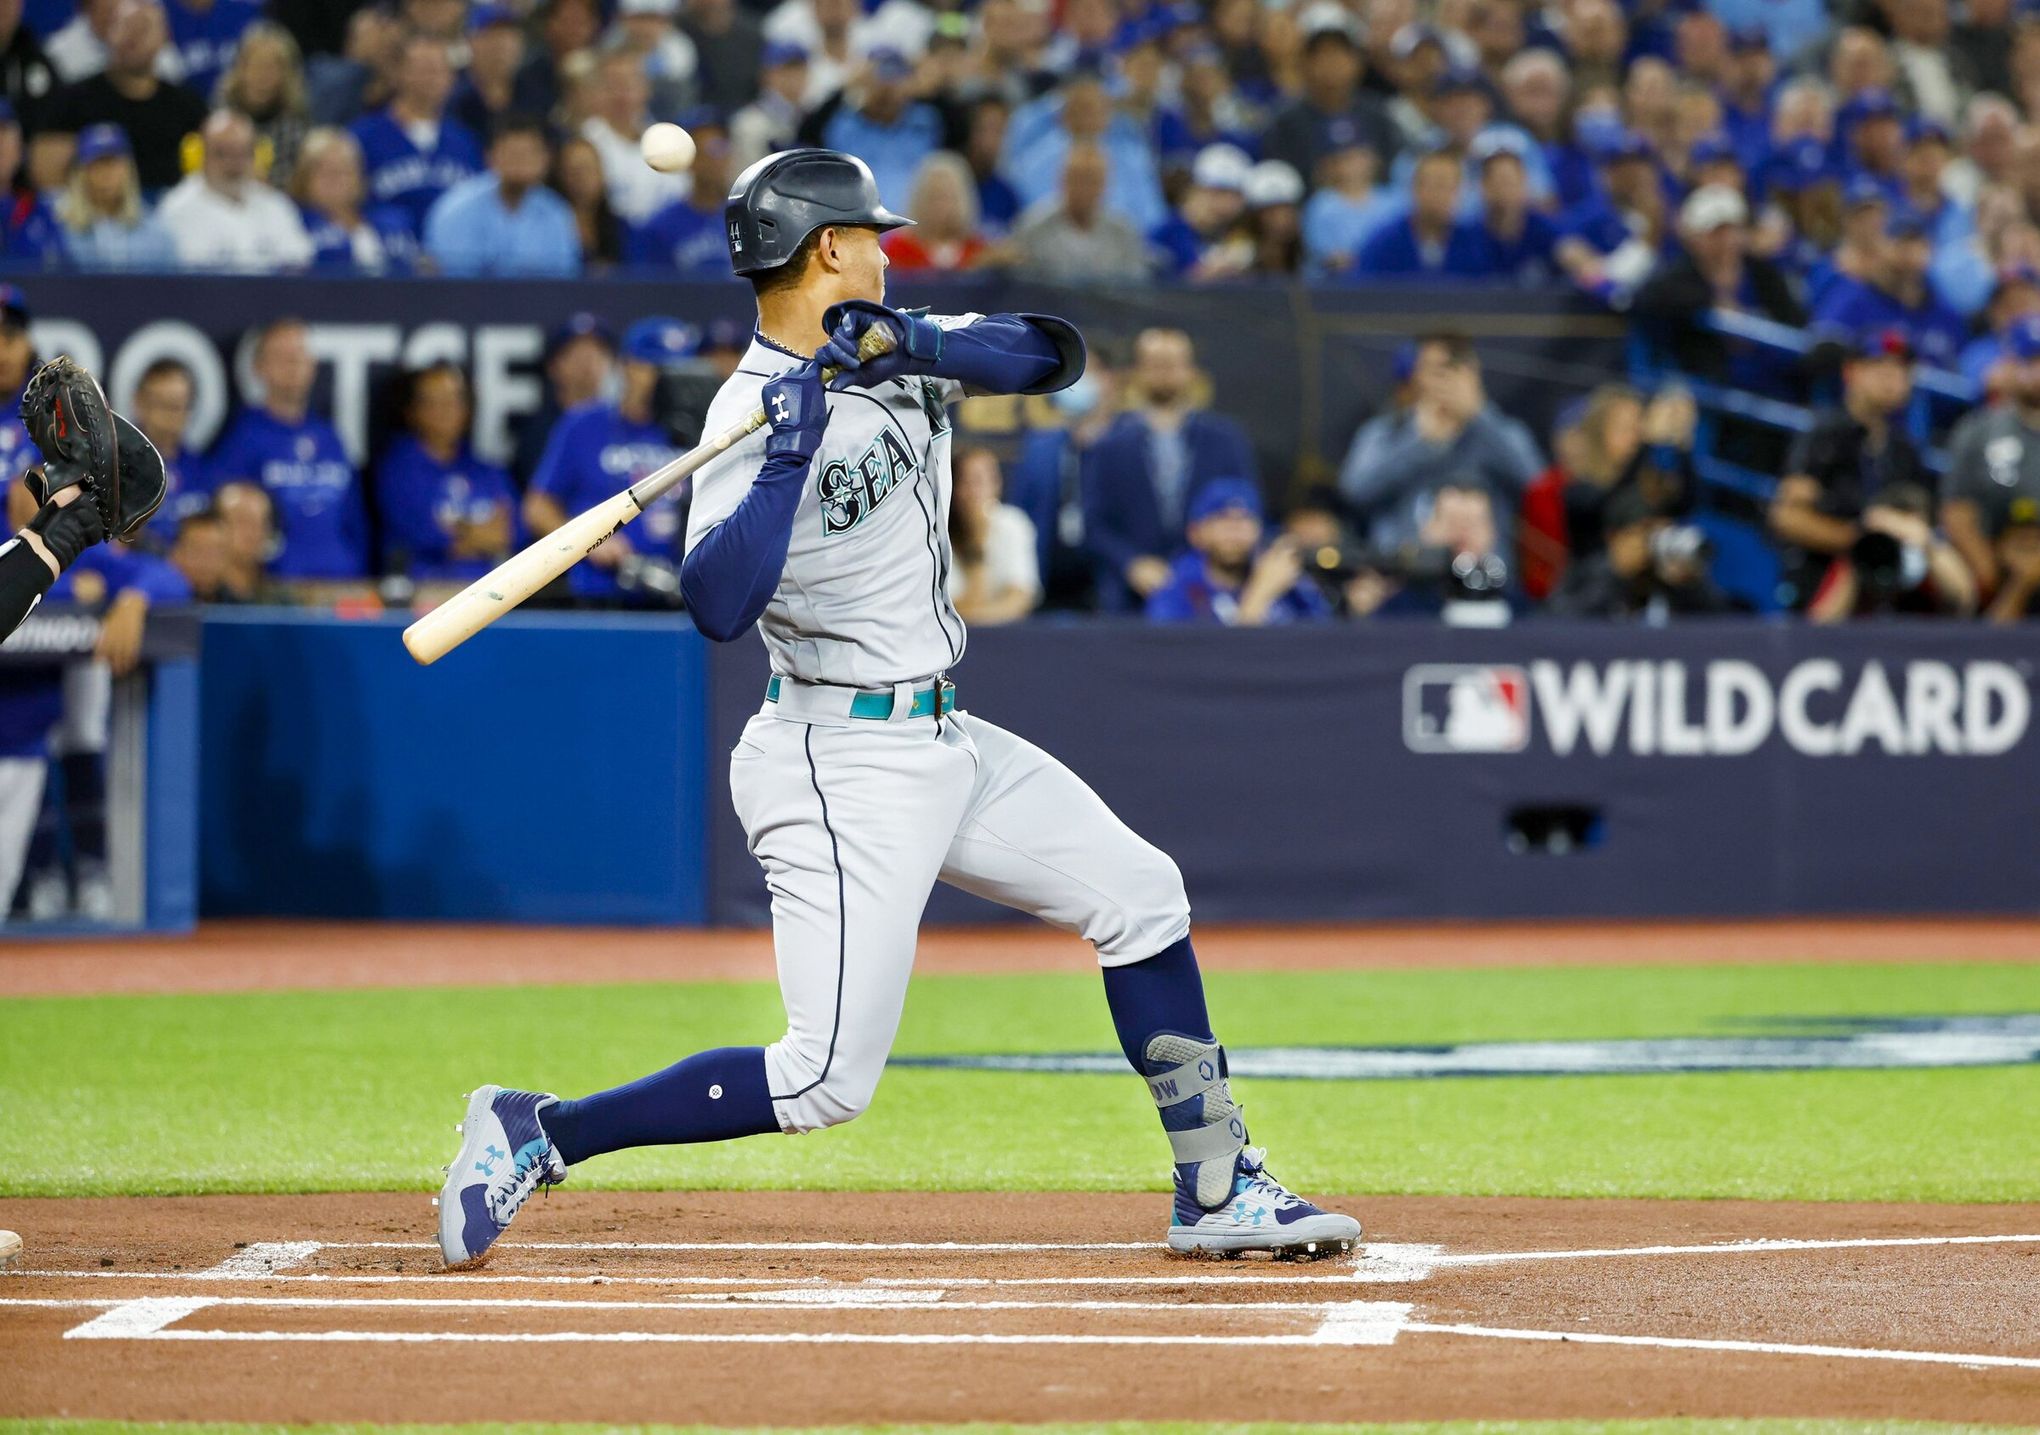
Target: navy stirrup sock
[1163,993]
[711,1096]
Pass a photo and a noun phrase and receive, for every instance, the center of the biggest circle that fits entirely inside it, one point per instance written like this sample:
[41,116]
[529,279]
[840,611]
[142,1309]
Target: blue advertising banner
[1413,771]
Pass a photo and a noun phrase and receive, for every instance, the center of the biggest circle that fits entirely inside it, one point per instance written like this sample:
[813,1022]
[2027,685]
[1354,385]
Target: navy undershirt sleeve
[729,576]
[1012,354]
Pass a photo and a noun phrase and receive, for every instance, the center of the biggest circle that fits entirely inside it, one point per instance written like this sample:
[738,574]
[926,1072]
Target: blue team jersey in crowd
[205,39]
[422,498]
[115,568]
[684,238]
[400,173]
[28,231]
[1853,306]
[18,453]
[1194,595]
[312,485]
[1394,249]
[187,490]
[1526,259]
[595,453]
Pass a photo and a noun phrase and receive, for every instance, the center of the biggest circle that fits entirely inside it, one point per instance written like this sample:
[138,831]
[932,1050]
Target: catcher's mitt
[83,442]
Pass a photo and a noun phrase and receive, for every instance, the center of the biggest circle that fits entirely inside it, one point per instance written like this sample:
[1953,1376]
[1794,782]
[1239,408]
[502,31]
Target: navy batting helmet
[783,198]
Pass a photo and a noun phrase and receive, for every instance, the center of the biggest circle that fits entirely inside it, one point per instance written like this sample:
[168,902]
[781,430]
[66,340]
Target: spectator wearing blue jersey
[1536,90]
[1611,243]
[1872,132]
[1516,243]
[1747,82]
[1923,166]
[983,147]
[1043,134]
[1428,241]
[687,235]
[328,187]
[413,151]
[1988,362]
[297,457]
[1346,207]
[601,448]
[504,221]
[446,515]
[1898,295]
[162,411]
[1711,159]
[1208,110]
[1211,208]
[1227,576]
[204,37]
[105,223]
[28,231]
[878,120]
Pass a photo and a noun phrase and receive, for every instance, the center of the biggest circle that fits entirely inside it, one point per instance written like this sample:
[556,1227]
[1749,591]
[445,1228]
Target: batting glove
[916,349]
[797,408]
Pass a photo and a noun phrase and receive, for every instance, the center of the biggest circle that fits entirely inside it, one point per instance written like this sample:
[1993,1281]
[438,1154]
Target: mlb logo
[1466,707]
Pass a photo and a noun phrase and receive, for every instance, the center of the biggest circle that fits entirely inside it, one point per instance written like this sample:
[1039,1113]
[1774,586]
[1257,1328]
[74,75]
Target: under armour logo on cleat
[490,1156]
[779,411]
[1247,1215]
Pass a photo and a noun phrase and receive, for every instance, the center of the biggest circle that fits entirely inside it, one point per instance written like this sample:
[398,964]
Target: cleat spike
[435,1203]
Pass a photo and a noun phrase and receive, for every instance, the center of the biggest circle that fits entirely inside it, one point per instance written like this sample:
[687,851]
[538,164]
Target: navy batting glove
[917,343]
[797,408]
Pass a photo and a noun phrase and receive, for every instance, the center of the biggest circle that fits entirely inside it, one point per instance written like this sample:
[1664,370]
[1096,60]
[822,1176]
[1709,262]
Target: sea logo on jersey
[1465,707]
[850,491]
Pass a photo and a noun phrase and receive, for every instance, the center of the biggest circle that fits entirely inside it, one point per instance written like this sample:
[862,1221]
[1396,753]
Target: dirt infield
[264,955]
[741,1308]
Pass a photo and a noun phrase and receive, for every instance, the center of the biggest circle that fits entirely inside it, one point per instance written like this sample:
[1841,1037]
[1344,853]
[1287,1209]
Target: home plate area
[822,1308]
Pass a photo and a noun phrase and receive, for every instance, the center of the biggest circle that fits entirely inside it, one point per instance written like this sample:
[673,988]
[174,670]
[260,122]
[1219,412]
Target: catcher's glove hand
[83,442]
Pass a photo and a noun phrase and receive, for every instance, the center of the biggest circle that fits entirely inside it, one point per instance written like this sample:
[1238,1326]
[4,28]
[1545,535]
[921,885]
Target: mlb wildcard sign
[1723,707]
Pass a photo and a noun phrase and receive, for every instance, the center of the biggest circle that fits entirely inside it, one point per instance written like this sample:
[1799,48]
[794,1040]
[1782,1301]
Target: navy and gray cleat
[1260,1215]
[505,1155]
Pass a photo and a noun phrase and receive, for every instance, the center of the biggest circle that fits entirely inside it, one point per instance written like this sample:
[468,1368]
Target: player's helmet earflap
[783,198]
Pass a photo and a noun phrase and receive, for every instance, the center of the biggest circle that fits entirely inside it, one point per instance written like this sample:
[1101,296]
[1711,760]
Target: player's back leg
[1037,838]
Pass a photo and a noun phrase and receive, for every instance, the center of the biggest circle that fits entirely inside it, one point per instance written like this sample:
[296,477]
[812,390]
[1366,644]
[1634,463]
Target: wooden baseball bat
[522,574]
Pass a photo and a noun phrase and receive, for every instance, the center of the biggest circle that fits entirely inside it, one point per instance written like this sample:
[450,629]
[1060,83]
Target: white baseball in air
[667,148]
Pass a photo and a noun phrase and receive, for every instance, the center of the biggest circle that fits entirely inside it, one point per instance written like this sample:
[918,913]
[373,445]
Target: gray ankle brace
[1206,1126]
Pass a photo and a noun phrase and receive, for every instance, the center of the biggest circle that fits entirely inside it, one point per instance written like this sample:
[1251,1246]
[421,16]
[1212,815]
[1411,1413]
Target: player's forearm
[1013,354]
[729,576]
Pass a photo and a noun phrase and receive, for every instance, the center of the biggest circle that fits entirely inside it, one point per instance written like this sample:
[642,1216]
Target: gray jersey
[1994,462]
[863,600]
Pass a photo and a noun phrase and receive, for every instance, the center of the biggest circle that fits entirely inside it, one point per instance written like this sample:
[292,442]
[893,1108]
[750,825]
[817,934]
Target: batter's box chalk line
[1340,1322]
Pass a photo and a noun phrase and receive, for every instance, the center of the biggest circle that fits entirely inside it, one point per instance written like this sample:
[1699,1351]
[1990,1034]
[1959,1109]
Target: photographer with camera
[1452,572]
[603,447]
[1851,454]
[1994,460]
[1227,577]
[1651,568]
[1897,565]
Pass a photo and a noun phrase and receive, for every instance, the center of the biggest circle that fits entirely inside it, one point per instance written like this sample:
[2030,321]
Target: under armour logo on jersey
[850,491]
[780,413]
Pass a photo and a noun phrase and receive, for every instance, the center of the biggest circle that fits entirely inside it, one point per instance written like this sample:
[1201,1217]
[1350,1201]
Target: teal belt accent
[932,701]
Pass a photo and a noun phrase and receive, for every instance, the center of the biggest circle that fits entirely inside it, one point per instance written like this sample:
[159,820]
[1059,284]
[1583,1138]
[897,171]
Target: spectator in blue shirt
[1610,243]
[880,122]
[298,458]
[1515,242]
[204,35]
[1227,577]
[687,235]
[1873,139]
[1427,241]
[446,515]
[1344,210]
[106,224]
[328,188]
[28,231]
[1747,81]
[1042,133]
[505,221]
[984,147]
[1898,295]
[1536,88]
[162,411]
[413,150]
[1210,210]
[599,449]
[1986,361]
[1928,148]
[1208,111]
[1138,476]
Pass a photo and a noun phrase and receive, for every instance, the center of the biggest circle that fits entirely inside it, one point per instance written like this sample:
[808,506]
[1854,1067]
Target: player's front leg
[1038,839]
[504,1156]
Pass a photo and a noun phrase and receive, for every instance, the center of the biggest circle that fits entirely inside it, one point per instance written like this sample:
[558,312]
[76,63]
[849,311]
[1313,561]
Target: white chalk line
[820,1283]
[1727,1248]
[1755,1347]
[930,1301]
[657,1337]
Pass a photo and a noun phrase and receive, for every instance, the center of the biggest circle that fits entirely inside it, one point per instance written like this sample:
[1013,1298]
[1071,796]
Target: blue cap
[99,141]
[1923,129]
[1864,190]
[1801,165]
[1714,149]
[1906,224]
[579,326]
[727,334]
[483,17]
[1887,343]
[1493,144]
[1571,414]
[13,305]
[782,52]
[1870,105]
[1749,37]
[2023,338]
[1223,495]
[1618,145]
[696,118]
[889,64]
[660,341]
[1404,364]
[1458,79]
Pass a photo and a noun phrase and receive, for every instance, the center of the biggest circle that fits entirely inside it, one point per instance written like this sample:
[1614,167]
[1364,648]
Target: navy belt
[937,698]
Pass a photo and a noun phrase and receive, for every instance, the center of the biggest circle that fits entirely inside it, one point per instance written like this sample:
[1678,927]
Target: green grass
[1450,1427]
[359,1090]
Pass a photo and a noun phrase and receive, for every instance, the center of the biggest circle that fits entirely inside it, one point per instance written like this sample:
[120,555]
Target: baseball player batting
[860,782]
